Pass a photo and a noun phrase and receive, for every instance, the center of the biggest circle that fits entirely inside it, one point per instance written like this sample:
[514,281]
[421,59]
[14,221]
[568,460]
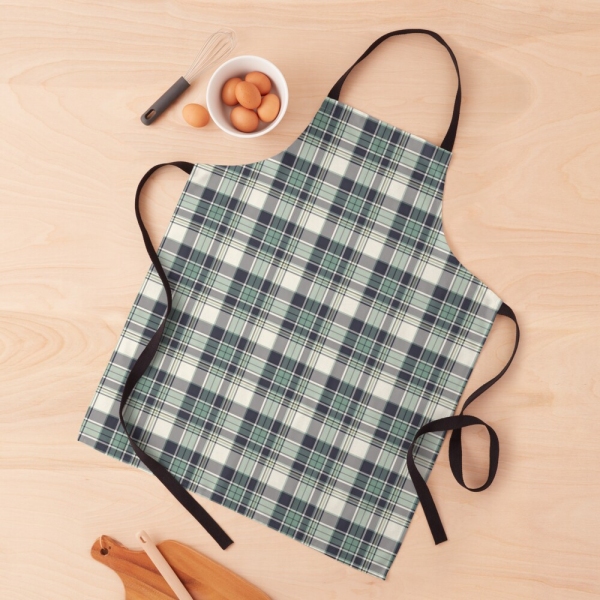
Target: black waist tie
[456,424]
[140,366]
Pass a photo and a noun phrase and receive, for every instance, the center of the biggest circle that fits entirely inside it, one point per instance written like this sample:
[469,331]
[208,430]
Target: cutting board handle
[203,578]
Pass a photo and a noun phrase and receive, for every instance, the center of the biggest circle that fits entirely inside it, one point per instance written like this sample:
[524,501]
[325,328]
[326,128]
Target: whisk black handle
[159,107]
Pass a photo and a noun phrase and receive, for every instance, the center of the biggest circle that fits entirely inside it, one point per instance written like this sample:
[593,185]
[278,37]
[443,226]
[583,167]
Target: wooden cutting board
[203,578]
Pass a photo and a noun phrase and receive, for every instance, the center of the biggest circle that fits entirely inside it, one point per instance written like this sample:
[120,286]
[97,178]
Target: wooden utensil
[203,578]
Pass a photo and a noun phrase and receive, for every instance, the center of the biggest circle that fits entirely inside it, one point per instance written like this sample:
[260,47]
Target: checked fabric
[319,320]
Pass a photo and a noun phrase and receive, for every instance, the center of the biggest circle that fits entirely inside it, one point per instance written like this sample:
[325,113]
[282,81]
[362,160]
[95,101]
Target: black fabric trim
[455,424]
[140,366]
[450,137]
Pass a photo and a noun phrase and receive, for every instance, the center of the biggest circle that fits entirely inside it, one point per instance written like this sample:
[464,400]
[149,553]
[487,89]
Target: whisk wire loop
[216,47]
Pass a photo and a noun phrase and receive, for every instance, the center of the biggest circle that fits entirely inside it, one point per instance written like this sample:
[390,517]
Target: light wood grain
[521,210]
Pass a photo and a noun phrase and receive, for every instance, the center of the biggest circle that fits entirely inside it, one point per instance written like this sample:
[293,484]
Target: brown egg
[195,115]
[260,80]
[247,94]
[244,119]
[269,108]
[228,91]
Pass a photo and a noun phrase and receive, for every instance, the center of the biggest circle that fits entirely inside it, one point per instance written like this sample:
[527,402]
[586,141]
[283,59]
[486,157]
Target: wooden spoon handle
[163,566]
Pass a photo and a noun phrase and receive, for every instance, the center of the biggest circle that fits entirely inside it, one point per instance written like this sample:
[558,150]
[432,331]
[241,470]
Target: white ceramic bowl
[239,67]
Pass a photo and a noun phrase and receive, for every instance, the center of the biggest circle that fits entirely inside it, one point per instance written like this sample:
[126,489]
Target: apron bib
[301,341]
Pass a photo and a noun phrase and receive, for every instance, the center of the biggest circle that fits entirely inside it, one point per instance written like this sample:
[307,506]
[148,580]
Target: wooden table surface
[522,211]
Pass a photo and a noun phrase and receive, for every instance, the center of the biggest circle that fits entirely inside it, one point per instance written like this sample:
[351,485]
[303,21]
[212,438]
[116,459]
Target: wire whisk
[218,46]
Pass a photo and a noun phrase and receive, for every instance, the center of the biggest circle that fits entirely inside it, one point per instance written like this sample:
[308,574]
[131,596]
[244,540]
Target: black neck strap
[456,424]
[139,368]
[448,142]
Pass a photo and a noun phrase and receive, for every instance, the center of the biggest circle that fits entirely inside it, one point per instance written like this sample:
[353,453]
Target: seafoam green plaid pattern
[319,320]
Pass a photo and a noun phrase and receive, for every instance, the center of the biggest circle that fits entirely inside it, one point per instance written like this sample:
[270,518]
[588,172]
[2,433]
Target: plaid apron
[301,341]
